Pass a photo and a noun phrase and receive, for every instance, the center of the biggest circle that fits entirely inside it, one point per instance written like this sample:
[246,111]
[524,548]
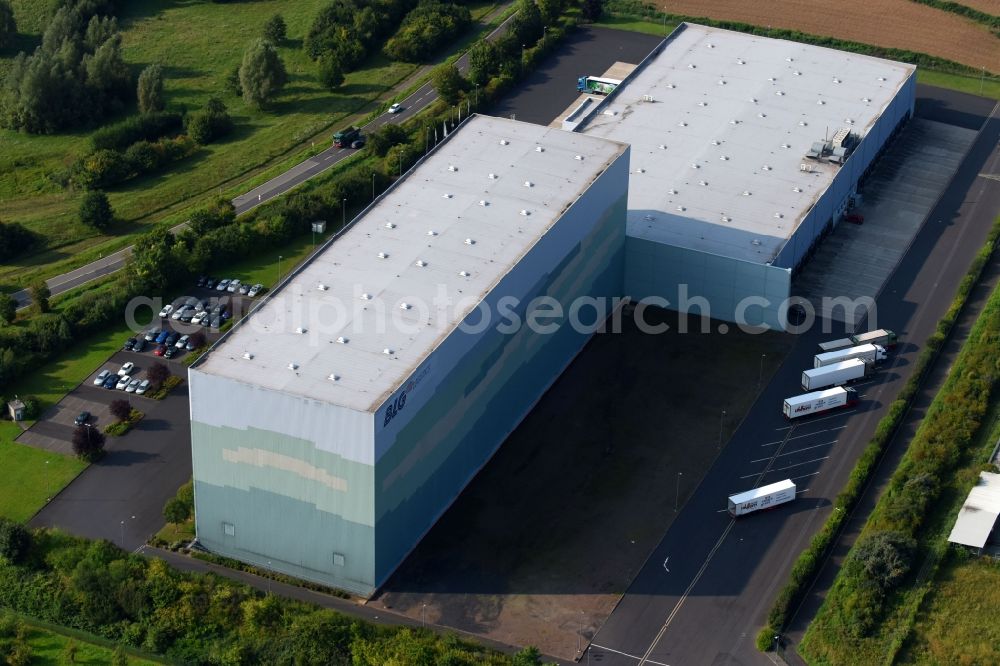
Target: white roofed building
[745,152]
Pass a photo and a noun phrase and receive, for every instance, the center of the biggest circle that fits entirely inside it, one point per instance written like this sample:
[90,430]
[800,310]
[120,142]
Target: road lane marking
[814,446]
[625,654]
[781,469]
[804,476]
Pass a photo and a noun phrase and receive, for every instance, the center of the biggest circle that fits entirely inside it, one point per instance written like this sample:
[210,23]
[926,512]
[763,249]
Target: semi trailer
[764,497]
[882,337]
[836,374]
[869,353]
[819,401]
[597,84]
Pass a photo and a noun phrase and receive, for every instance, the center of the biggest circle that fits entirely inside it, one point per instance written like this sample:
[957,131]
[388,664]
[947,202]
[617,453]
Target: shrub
[39,292]
[147,127]
[15,541]
[8,308]
[149,92]
[157,374]
[211,123]
[95,210]
[88,443]
[331,73]
[884,558]
[175,511]
[385,137]
[426,29]
[120,409]
[275,29]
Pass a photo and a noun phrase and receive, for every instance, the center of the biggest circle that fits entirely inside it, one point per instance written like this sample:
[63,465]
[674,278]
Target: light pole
[279,269]
[677,491]
[269,577]
[373,184]
[722,420]
[423,616]
[400,174]
[760,375]
[122,542]
[776,637]
[343,213]
[477,95]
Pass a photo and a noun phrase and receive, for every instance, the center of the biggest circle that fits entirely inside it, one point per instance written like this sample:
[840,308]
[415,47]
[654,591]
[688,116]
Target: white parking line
[780,469]
[625,654]
[788,453]
[804,476]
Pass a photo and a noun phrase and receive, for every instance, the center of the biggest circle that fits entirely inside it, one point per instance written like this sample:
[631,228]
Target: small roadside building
[979,514]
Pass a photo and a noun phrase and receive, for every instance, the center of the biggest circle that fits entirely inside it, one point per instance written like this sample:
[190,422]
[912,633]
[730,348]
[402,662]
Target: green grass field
[198,43]
[30,476]
[48,647]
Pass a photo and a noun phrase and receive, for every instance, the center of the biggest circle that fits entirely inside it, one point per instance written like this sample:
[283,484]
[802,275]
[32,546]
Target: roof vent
[539,149]
[578,157]
[405,306]
[447,195]
[322,287]
[740,61]
[452,167]
[734,121]
[715,142]
[755,242]
[640,170]
[802,123]
[771,79]
[662,147]
[797,73]
[493,176]
[724,158]
[785,145]
[648,218]
[703,183]
[421,263]
[753,100]
[762,115]
[881,78]
[671,191]
[682,124]
[778,216]
[710,45]
[464,273]
[504,142]
[390,225]
[722,82]
[836,80]
[726,219]
[681,208]
[849,121]
[746,193]
[820,102]
[671,86]
[865,100]
[293,366]
[796,189]
[366,297]
[431,232]
[333,378]
[788,60]
[525,212]
[702,103]
[692,66]
[695,165]
[248,356]
[469,241]
[528,183]
[300,330]
[387,351]
[779,93]
[383,255]
[342,340]
[766,167]
[484,202]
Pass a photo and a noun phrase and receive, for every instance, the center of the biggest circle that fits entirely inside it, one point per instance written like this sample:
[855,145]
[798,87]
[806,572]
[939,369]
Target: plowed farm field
[901,24]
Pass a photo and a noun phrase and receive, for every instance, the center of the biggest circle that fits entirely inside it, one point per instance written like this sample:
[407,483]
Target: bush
[8,28]
[884,558]
[157,374]
[331,73]
[385,137]
[15,541]
[39,292]
[147,127]
[8,308]
[120,409]
[212,123]
[426,29]
[275,29]
[174,511]
[95,210]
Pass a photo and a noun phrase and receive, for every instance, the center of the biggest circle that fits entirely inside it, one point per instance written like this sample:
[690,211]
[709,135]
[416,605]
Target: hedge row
[637,9]
[807,565]
[991,21]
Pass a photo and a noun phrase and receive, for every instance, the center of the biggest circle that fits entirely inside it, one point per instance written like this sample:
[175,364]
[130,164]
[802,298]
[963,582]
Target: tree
[150,89]
[8,308]
[88,443]
[331,74]
[211,123]
[8,29]
[550,9]
[40,294]
[197,339]
[120,409]
[428,27]
[262,74]
[175,511]
[120,658]
[885,558]
[385,137]
[592,9]
[157,374]
[484,61]
[275,29]
[14,240]
[448,82]
[95,210]
[529,656]
[527,25]
[15,541]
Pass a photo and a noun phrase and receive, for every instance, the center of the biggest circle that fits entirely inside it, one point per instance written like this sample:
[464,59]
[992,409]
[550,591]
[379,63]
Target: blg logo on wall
[394,407]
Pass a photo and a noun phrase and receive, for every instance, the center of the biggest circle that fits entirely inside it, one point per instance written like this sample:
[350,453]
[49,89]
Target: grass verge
[30,476]
[50,643]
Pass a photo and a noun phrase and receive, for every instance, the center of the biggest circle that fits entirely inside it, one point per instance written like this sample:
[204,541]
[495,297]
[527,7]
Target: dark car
[216,322]
[83,417]
[188,316]
[170,352]
[225,314]
[110,382]
[129,344]
[358,143]
[171,339]
[159,351]
[210,283]
[140,344]
[202,279]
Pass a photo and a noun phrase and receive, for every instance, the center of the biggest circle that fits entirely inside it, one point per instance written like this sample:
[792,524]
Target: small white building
[978,516]
[745,151]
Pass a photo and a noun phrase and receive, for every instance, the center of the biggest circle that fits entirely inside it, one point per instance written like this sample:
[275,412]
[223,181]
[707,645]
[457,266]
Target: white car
[233,286]
[199,316]
[167,309]
[254,290]
[395,108]
[127,368]
[132,386]
[183,340]
[123,382]
[222,285]
[180,311]
[143,387]
[101,377]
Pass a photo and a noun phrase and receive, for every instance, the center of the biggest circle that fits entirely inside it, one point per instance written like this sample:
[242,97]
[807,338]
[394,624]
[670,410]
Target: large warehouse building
[745,152]
[336,423]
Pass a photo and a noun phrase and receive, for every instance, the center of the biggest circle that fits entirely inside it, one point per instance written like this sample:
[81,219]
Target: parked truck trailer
[870,353]
[764,497]
[819,401]
[882,337]
[836,374]
[597,85]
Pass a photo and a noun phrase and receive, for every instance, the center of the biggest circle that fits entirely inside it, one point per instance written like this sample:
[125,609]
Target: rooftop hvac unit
[806,167]
[841,138]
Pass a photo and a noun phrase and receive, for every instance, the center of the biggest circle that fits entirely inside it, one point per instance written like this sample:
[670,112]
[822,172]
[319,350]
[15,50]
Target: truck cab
[344,138]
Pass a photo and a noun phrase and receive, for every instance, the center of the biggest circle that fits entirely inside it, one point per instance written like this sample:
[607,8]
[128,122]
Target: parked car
[190,345]
[254,290]
[199,317]
[358,143]
[126,368]
[395,108]
[216,322]
[225,314]
[182,341]
[202,279]
[180,312]
[82,418]
[123,381]
[233,286]
[188,315]
[162,336]
[244,288]
[99,380]
[855,218]
[222,285]
[206,320]
[129,344]
[140,344]
[167,309]
[159,351]
[170,352]
[133,385]
[210,283]
[152,333]
[143,387]
[110,382]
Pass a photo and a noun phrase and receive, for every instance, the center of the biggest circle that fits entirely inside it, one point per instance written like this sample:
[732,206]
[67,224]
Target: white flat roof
[979,513]
[716,153]
[457,223]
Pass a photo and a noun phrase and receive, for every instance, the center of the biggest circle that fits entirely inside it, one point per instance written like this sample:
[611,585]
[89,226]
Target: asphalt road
[706,588]
[275,187]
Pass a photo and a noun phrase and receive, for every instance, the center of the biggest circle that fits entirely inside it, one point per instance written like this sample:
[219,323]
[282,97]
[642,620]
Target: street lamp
[677,491]
[373,181]
[722,420]
[423,616]
[477,95]
[269,577]
[279,269]
[122,542]
[760,375]
[343,213]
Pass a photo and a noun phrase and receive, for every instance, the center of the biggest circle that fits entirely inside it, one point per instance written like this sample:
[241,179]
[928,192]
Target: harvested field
[900,24]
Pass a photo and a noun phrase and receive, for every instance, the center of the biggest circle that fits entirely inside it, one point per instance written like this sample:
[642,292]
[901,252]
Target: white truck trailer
[836,374]
[870,353]
[819,401]
[764,497]
[883,337]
